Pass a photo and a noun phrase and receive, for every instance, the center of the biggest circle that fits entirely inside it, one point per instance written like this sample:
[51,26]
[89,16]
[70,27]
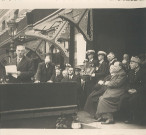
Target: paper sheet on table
[11,69]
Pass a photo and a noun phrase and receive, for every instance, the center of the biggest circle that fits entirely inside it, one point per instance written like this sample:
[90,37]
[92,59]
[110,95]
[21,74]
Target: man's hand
[132,91]
[18,73]
[37,81]
[100,82]
[50,81]
[93,75]
[106,83]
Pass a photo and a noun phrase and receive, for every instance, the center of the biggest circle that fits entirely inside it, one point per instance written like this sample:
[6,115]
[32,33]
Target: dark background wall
[120,31]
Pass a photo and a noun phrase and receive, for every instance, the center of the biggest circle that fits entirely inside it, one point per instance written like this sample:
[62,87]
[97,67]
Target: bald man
[25,67]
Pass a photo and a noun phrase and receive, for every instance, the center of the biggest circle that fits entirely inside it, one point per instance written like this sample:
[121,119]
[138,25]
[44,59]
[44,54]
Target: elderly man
[111,58]
[25,67]
[133,103]
[45,71]
[116,86]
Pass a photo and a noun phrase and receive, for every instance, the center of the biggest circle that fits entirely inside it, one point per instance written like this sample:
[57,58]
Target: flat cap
[135,59]
[88,52]
[102,53]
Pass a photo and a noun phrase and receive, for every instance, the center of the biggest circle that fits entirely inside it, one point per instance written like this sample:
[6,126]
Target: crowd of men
[106,85]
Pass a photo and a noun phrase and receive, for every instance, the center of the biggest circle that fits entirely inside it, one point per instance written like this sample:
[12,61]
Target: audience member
[133,103]
[111,58]
[126,62]
[58,77]
[108,103]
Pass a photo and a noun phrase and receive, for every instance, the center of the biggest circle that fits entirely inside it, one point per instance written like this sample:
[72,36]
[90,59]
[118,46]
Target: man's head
[110,56]
[47,59]
[135,63]
[77,70]
[20,51]
[90,54]
[58,72]
[101,55]
[65,73]
[126,57]
[70,71]
[116,67]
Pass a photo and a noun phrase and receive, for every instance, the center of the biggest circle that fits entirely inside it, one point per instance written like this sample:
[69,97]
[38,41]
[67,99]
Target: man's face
[133,65]
[90,56]
[115,68]
[100,57]
[47,59]
[70,71]
[65,73]
[20,51]
[110,57]
[58,72]
[77,72]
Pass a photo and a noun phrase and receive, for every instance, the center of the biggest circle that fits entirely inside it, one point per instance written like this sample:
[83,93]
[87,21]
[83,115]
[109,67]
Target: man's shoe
[108,121]
[98,119]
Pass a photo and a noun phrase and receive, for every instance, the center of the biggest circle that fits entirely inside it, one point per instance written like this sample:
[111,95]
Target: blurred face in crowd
[133,65]
[58,72]
[47,59]
[110,56]
[20,51]
[100,57]
[115,68]
[125,57]
[65,73]
[77,72]
[70,71]
[90,56]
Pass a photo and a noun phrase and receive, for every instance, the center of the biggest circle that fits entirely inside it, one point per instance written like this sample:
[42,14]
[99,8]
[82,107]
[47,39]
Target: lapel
[14,61]
[21,63]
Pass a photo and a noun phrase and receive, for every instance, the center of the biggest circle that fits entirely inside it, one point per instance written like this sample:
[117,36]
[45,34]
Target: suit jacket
[26,68]
[103,71]
[75,78]
[44,74]
[58,78]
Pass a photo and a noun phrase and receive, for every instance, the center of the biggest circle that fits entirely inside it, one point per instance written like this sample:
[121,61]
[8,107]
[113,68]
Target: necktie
[18,60]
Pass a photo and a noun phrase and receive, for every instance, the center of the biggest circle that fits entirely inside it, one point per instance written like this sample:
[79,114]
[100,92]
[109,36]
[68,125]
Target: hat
[101,53]
[90,52]
[78,68]
[135,59]
[68,65]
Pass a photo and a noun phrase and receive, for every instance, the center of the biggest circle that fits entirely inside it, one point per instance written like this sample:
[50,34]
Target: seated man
[58,77]
[133,103]
[109,101]
[72,77]
[45,71]
[25,67]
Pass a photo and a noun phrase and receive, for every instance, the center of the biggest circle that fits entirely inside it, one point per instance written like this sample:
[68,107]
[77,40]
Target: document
[11,69]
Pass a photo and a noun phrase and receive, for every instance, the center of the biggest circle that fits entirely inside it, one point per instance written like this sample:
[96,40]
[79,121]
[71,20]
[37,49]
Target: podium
[29,100]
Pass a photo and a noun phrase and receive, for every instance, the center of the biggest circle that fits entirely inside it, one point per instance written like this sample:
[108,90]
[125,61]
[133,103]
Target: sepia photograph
[73,68]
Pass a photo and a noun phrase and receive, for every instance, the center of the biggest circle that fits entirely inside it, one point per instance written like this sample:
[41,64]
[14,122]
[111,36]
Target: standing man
[25,67]
[45,71]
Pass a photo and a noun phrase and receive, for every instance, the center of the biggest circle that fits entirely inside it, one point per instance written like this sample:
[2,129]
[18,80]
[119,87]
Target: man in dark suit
[72,77]
[58,77]
[103,69]
[45,71]
[25,68]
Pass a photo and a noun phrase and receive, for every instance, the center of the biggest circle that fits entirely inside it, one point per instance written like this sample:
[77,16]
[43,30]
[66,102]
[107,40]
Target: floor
[87,122]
